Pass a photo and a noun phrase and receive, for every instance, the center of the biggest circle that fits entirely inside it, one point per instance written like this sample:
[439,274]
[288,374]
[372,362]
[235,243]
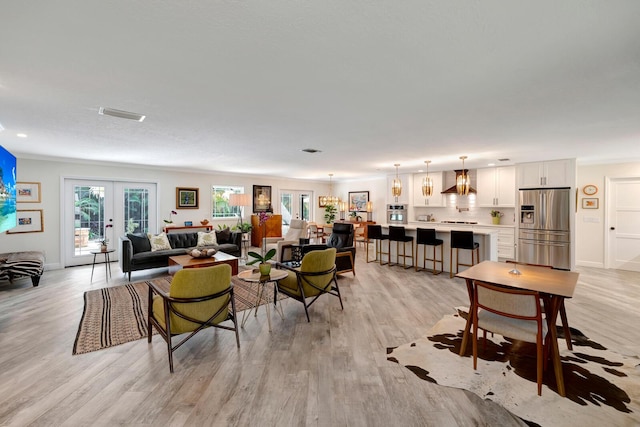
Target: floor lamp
[240,200]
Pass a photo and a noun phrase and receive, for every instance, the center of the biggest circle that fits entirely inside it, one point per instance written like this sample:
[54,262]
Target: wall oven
[397,214]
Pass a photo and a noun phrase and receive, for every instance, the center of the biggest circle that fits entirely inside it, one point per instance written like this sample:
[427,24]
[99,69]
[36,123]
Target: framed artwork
[322,202]
[186,198]
[589,203]
[29,221]
[28,192]
[262,198]
[358,201]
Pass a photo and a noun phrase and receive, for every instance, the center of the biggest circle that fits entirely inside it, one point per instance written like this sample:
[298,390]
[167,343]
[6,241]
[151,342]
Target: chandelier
[427,182]
[330,199]
[396,186]
[463,182]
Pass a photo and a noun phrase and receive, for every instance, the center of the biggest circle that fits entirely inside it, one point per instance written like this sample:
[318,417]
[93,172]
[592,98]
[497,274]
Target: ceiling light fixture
[105,111]
[330,199]
[396,186]
[463,182]
[427,182]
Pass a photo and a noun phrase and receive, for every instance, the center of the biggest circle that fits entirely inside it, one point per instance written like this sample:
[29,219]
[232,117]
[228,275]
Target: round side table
[107,262]
[273,277]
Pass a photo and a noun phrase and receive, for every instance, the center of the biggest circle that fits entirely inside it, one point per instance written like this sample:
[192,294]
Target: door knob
[612,228]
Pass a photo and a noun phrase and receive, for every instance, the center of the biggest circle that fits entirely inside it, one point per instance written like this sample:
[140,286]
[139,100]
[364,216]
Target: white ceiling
[244,86]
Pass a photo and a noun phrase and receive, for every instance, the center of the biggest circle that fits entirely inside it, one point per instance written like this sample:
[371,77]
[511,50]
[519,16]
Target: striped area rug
[118,315]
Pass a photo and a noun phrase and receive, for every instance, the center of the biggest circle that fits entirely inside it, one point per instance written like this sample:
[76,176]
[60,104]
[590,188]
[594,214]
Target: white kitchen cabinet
[407,185]
[436,199]
[554,173]
[506,241]
[496,187]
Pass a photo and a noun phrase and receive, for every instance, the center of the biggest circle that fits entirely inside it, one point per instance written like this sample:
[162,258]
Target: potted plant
[330,213]
[495,216]
[353,216]
[264,266]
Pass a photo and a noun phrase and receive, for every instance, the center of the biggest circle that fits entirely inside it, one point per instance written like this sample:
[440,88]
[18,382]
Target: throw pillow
[223,236]
[207,238]
[159,242]
[139,243]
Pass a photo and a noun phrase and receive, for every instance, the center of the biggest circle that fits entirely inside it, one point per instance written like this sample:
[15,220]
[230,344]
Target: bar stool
[427,237]
[462,240]
[374,232]
[397,234]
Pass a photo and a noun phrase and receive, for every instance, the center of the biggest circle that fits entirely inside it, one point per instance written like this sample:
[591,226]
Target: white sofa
[297,229]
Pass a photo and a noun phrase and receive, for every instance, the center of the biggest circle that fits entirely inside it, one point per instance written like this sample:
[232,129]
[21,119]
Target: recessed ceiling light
[311,150]
[491,164]
[120,114]
[21,135]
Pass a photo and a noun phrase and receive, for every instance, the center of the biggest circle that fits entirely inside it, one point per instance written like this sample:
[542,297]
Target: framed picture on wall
[322,202]
[186,198]
[29,221]
[262,198]
[358,201]
[28,192]
[589,203]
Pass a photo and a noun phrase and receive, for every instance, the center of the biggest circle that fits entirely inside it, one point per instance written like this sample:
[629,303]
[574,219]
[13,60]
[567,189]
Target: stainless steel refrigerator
[545,235]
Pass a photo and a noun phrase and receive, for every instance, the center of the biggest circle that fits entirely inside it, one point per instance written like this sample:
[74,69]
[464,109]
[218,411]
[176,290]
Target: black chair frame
[397,234]
[374,232]
[426,237]
[474,247]
[169,308]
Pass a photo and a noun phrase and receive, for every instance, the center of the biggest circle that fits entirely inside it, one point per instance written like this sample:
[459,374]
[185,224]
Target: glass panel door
[294,204]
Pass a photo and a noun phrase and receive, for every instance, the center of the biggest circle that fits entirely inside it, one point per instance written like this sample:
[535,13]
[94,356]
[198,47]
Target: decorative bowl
[202,252]
[204,222]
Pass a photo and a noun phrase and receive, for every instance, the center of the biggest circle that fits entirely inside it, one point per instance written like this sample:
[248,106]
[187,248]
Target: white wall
[49,174]
[590,235]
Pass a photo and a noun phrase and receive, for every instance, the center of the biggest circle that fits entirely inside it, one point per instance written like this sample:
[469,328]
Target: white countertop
[446,228]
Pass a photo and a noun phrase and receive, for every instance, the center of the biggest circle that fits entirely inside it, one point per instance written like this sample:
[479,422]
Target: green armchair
[198,298]
[315,276]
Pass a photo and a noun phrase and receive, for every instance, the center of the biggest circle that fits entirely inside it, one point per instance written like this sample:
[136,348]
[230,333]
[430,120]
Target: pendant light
[396,186]
[463,182]
[427,182]
[330,199]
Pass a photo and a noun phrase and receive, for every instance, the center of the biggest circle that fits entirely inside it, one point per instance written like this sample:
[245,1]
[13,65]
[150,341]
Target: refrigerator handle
[543,210]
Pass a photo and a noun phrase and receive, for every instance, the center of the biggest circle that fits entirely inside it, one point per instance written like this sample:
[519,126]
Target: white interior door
[97,210]
[623,224]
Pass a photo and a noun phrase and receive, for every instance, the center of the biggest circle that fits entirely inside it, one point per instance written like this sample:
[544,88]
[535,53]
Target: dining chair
[563,312]
[513,313]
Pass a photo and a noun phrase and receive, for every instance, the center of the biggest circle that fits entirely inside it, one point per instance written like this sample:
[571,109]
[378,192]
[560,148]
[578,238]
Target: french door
[294,204]
[96,211]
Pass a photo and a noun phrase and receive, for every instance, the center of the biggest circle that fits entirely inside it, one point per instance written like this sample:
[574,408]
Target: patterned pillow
[207,238]
[159,242]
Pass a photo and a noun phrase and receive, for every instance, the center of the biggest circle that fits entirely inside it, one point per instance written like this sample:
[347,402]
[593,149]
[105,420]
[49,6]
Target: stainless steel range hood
[450,181]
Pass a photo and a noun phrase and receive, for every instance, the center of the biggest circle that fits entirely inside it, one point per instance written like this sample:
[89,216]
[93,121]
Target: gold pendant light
[330,199]
[396,186]
[463,182]
[427,182]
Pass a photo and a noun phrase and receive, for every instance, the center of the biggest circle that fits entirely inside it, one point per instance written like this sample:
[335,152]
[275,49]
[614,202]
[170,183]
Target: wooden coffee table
[179,262]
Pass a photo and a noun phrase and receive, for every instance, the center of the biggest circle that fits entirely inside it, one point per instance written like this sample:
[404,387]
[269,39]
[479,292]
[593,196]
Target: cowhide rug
[602,387]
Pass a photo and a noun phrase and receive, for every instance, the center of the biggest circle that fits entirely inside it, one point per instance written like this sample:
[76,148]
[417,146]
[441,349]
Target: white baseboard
[590,264]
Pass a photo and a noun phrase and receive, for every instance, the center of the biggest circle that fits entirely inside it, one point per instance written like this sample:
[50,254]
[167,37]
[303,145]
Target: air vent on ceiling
[311,150]
[120,114]
[503,160]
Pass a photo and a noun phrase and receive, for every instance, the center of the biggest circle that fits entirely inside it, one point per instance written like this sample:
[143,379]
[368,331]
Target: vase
[496,220]
[265,268]
[103,248]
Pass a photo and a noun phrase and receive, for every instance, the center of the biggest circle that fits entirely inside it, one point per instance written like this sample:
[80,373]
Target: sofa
[137,254]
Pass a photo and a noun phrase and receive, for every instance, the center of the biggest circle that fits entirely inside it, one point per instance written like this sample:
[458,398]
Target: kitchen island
[487,237]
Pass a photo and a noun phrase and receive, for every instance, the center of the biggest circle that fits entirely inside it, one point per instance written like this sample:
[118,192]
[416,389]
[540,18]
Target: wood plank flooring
[329,372]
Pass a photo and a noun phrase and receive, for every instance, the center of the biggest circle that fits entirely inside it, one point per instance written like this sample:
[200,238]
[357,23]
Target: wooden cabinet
[436,199]
[271,228]
[554,173]
[407,184]
[496,187]
[506,241]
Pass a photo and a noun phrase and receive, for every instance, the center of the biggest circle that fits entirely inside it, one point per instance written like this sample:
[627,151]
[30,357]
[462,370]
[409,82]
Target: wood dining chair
[512,313]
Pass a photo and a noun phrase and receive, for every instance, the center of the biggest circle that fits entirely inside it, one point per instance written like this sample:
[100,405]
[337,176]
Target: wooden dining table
[553,285]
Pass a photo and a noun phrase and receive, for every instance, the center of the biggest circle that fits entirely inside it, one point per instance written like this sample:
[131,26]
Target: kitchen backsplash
[453,213]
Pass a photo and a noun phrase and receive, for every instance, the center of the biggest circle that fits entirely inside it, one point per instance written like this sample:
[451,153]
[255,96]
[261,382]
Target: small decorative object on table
[204,221]
[202,252]
[188,223]
[170,221]
[264,266]
[495,216]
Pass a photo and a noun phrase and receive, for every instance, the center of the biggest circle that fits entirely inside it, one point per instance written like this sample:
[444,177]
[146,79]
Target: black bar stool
[427,237]
[374,232]
[397,234]
[462,240]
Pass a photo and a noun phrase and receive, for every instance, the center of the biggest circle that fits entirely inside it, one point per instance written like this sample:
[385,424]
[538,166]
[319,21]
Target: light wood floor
[329,372]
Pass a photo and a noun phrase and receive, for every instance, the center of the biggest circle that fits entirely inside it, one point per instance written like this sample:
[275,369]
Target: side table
[256,277]
[107,262]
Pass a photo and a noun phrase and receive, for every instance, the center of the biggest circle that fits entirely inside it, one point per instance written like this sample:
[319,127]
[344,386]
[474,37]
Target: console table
[188,228]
